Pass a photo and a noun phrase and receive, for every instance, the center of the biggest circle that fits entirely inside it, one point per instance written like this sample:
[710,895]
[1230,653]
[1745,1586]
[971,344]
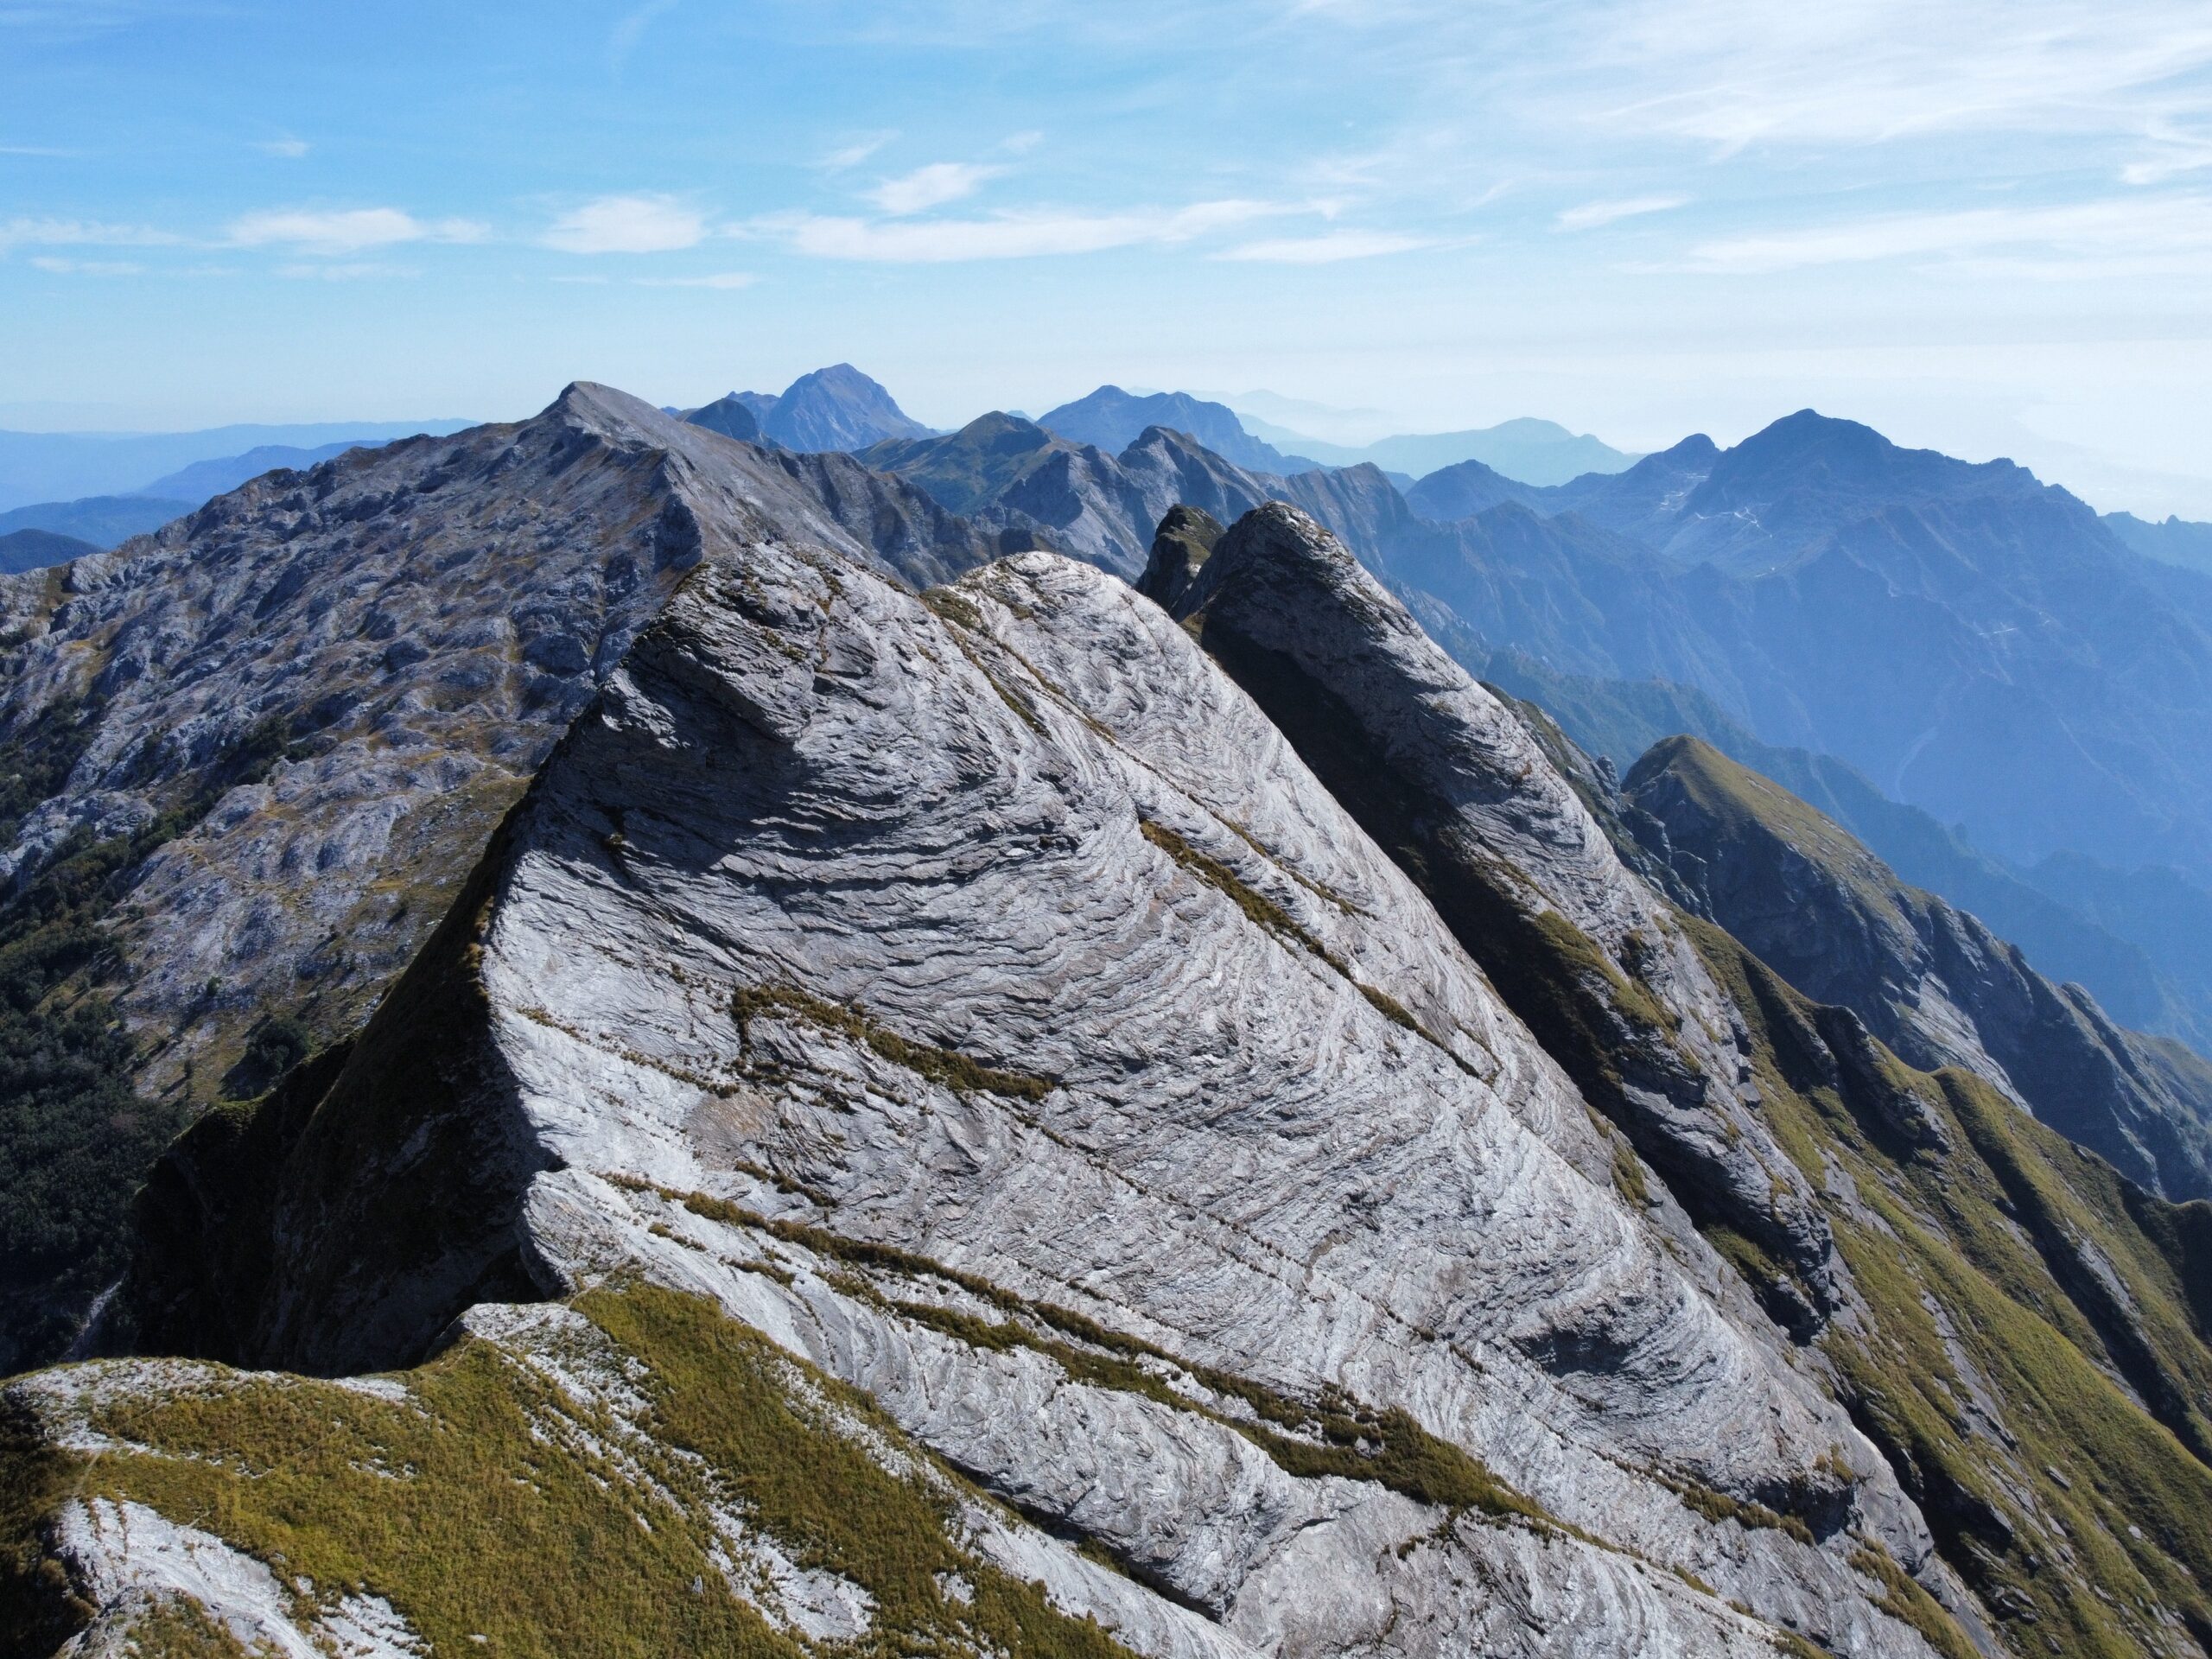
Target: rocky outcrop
[253,757]
[1930,980]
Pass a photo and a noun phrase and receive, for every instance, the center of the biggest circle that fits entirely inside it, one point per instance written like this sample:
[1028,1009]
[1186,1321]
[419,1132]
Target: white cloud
[87,267]
[639,224]
[290,149]
[930,187]
[1591,214]
[343,231]
[78,232]
[358,271]
[1020,143]
[623,39]
[1326,250]
[718,279]
[2129,226]
[852,154]
[1005,236]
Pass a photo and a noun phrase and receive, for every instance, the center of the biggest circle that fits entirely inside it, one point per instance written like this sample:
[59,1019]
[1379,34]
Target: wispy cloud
[1004,235]
[930,187]
[343,231]
[636,224]
[86,267]
[357,271]
[1326,249]
[1734,73]
[856,151]
[725,279]
[2131,225]
[289,148]
[622,39]
[79,232]
[2173,153]
[1591,214]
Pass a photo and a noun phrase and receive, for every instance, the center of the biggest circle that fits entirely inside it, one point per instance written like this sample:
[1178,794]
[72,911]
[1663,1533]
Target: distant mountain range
[101,520]
[1114,419]
[35,549]
[2001,692]
[204,478]
[1533,451]
[47,466]
[2173,541]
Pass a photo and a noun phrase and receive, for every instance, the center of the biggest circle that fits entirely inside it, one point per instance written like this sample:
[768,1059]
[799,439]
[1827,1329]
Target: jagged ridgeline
[1023,1117]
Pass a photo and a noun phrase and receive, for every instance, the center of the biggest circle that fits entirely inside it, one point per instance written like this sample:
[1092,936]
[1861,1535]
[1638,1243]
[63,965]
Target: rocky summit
[885,1090]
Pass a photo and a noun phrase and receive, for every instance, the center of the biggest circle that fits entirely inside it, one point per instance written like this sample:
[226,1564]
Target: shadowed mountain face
[35,549]
[733,417]
[1112,420]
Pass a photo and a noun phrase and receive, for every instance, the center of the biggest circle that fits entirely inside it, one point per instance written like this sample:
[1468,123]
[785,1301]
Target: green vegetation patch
[490,1504]
[1969,1215]
[946,1066]
[76,1138]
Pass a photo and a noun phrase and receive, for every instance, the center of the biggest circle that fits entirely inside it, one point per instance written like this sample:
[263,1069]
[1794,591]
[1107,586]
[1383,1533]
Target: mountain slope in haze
[1931,982]
[42,467]
[249,758]
[103,520]
[1998,658]
[2145,962]
[1532,452]
[1111,419]
[2170,540]
[35,549]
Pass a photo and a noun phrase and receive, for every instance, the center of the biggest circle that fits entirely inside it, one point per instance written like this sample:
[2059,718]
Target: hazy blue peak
[837,407]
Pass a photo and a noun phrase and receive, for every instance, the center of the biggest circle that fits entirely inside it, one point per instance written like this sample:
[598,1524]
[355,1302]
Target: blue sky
[1983,227]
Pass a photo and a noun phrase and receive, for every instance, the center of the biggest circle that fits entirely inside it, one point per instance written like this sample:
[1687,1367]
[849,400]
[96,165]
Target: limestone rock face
[1454,783]
[1930,980]
[1005,933]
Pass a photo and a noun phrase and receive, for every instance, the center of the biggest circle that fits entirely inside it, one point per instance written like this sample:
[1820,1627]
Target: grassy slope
[490,1504]
[2083,1519]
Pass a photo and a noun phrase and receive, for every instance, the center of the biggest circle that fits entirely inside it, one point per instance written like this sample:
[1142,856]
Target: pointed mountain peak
[837,407]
